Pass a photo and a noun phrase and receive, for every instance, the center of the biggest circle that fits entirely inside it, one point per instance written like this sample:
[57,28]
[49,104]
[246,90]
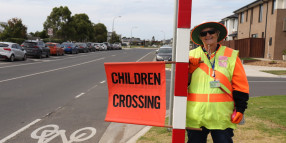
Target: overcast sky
[146,18]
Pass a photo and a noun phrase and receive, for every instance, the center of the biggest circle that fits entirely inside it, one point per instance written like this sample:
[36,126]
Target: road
[68,91]
[68,94]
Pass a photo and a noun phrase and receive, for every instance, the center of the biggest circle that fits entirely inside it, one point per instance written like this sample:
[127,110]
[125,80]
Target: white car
[12,51]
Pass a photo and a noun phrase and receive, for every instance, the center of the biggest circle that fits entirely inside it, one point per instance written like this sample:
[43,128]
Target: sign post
[181,75]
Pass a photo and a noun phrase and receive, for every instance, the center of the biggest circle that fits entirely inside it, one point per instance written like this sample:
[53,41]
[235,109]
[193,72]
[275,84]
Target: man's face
[209,36]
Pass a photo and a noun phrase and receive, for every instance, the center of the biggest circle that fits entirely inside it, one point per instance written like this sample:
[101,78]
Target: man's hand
[237,118]
[194,63]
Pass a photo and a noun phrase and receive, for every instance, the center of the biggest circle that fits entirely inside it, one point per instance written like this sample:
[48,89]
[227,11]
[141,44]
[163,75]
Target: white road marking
[91,88]
[103,81]
[50,70]
[19,131]
[78,96]
[143,57]
[39,61]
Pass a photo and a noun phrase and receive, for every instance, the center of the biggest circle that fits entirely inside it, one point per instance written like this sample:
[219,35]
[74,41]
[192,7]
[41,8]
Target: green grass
[169,66]
[248,59]
[266,115]
[276,72]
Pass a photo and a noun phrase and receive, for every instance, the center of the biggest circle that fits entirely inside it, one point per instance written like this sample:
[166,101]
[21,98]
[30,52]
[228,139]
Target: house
[264,19]
[231,23]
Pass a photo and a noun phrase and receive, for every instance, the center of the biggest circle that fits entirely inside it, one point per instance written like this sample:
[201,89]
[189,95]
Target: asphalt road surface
[64,99]
[64,96]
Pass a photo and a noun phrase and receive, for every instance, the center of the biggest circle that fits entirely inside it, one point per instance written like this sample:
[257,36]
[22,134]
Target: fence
[249,47]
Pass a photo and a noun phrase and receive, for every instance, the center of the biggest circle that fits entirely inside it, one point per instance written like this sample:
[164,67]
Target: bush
[15,40]
[284,52]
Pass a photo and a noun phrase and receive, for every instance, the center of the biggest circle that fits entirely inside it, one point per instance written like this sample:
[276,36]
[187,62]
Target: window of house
[273,6]
[251,16]
[262,34]
[246,17]
[241,17]
[260,13]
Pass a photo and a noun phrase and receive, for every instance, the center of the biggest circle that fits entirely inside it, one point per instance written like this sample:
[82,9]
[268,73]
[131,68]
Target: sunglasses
[204,33]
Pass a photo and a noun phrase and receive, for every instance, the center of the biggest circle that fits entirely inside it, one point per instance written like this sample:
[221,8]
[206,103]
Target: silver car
[164,54]
[12,51]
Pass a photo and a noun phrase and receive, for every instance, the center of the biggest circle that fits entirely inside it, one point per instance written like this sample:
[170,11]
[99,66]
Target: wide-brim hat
[195,34]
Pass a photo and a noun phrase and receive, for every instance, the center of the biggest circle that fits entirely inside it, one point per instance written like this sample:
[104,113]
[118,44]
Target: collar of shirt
[213,54]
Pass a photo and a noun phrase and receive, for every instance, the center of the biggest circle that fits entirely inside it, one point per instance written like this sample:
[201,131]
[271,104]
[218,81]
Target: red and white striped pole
[181,73]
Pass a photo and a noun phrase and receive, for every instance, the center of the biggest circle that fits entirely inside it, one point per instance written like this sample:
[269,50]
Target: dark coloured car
[164,54]
[36,48]
[70,48]
[82,47]
[90,47]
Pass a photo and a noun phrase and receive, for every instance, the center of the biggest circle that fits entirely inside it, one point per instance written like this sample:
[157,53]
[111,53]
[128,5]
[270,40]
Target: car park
[11,51]
[82,47]
[117,46]
[36,48]
[103,47]
[164,53]
[70,48]
[55,48]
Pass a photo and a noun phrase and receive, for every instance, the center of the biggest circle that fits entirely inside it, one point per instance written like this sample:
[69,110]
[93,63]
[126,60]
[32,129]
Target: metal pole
[171,96]
[113,26]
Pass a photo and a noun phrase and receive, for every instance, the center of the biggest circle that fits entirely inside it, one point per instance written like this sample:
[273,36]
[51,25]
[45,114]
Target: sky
[139,18]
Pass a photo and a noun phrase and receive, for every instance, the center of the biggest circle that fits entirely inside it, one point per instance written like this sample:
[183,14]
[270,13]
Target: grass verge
[265,123]
[276,72]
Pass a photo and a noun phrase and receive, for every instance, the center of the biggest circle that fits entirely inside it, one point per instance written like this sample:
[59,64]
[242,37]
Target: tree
[14,29]
[60,21]
[100,32]
[83,27]
[114,38]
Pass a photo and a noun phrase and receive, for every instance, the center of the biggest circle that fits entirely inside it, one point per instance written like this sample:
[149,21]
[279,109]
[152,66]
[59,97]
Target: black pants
[218,136]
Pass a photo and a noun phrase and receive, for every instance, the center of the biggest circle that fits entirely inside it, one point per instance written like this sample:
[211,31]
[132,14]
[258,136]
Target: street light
[164,36]
[133,27]
[113,26]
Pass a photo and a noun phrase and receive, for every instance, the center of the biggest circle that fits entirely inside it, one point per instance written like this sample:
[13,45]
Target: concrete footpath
[128,133]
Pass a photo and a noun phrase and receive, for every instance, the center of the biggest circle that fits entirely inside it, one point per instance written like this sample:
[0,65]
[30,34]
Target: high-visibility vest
[206,106]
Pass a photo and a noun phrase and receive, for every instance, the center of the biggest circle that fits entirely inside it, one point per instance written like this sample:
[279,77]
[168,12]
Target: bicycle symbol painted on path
[47,133]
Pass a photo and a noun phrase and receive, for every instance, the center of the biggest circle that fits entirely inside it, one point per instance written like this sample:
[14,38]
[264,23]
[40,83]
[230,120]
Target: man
[218,86]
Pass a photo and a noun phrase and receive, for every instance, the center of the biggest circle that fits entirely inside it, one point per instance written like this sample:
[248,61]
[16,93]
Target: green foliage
[14,29]
[100,32]
[16,40]
[114,38]
[284,52]
[83,28]
[59,20]
[42,34]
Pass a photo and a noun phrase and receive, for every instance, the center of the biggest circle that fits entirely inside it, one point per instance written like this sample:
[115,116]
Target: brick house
[264,19]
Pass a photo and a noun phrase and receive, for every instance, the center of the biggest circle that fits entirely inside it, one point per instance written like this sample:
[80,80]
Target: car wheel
[48,54]
[40,55]
[12,58]
[24,58]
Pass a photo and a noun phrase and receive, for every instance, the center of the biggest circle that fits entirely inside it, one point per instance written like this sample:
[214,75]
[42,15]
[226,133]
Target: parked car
[117,46]
[82,47]
[55,48]
[164,54]
[36,48]
[103,47]
[90,47]
[108,45]
[70,48]
[11,51]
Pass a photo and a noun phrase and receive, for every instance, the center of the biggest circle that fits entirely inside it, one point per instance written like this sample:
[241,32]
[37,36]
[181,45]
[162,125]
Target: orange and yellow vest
[211,107]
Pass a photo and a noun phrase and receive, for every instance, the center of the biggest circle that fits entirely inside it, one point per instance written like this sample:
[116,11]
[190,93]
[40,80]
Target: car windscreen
[3,45]
[165,50]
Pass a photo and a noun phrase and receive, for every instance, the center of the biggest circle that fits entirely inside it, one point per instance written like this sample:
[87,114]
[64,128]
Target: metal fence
[249,47]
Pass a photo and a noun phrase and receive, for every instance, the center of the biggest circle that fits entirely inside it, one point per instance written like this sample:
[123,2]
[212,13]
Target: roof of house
[251,5]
